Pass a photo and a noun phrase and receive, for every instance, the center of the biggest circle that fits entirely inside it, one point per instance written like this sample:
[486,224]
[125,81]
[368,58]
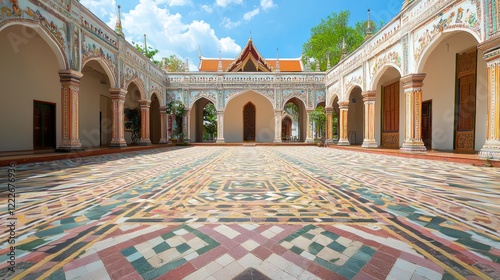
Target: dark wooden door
[427,123]
[390,116]
[466,102]
[44,125]
[249,122]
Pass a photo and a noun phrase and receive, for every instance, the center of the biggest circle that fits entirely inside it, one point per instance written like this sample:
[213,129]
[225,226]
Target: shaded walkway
[283,212]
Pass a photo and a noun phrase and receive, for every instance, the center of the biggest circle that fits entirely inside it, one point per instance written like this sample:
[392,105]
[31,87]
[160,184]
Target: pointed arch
[140,85]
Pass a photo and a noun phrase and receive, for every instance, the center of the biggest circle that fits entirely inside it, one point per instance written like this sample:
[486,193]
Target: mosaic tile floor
[253,213]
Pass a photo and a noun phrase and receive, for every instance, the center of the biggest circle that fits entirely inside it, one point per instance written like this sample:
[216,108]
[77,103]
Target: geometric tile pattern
[240,212]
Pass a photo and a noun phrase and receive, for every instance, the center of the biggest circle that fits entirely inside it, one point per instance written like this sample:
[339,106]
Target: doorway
[466,102]
[427,124]
[249,122]
[44,125]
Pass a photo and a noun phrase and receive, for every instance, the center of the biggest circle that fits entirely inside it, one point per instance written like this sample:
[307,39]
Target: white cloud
[229,46]
[207,9]
[229,24]
[225,3]
[102,9]
[249,15]
[267,4]
[170,35]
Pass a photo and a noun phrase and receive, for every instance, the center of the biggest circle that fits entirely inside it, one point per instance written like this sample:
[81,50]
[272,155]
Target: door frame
[53,124]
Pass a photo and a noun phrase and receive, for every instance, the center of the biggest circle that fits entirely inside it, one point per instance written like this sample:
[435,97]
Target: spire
[199,52]
[186,67]
[317,66]
[368,27]
[277,61]
[344,49]
[145,45]
[219,66]
[118,26]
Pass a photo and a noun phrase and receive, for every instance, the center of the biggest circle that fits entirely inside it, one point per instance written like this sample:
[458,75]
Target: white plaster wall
[92,93]
[439,85]
[233,118]
[28,72]
[355,120]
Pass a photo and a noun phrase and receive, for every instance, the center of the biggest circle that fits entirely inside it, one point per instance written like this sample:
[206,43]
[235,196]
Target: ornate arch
[140,85]
[51,36]
[236,94]
[380,73]
[297,95]
[158,95]
[105,65]
[350,90]
[205,95]
[428,42]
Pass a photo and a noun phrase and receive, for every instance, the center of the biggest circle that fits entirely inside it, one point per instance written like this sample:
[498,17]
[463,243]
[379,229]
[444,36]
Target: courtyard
[252,212]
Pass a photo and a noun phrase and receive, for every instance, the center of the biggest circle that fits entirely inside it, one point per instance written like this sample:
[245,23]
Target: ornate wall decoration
[390,57]
[353,81]
[464,16]
[196,95]
[102,31]
[75,48]
[289,94]
[92,50]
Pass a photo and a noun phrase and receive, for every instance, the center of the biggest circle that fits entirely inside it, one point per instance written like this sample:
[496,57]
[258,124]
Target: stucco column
[70,86]
[412,86]
[369,102]
[145,136]
[491,148]
[343,135]
[163,121]
[186,131]
[309,138]
[329,125]
[277,126]
[118,108]
[220,127]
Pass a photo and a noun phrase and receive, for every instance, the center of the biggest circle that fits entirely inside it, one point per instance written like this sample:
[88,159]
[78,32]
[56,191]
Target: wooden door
[249,122]
[427,124]
[390,116]
[44,125]
[466,102]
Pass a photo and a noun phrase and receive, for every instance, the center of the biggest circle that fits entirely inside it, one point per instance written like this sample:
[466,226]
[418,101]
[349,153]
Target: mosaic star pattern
[254,212]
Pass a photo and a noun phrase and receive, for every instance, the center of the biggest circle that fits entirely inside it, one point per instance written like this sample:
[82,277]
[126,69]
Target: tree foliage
[318,116]
[326,39]
[177,109]
[174,64]
[133,123]
[210,120]
[292,110]
[149,52]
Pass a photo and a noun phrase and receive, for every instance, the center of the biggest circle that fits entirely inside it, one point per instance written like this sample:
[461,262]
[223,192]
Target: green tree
[318,116]
[133,123]
[174,64]
[292,110]
[177,109]
[149,53]
[326,39]
[210,120]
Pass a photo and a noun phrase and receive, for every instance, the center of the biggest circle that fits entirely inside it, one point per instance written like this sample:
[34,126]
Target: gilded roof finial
[118,26]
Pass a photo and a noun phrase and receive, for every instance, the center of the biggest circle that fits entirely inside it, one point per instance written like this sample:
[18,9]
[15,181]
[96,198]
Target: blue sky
[182,27]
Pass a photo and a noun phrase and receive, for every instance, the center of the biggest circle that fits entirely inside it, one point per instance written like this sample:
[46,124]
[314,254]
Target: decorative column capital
[69,75]
[163,109]
[413,80]
[369,95]
[343,104]
[329,110]
[144,103]
[117,93]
